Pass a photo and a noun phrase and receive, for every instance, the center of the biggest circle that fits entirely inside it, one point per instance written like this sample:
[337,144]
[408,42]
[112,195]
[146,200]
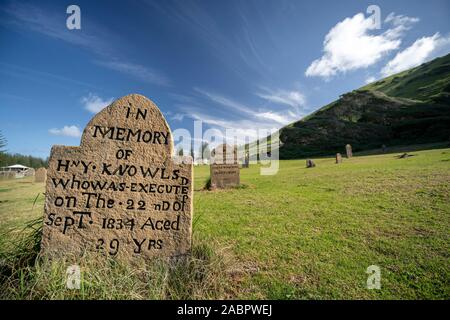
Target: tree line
[8,159]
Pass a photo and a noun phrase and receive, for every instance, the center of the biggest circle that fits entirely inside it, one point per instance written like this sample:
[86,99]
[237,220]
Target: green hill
[410,107]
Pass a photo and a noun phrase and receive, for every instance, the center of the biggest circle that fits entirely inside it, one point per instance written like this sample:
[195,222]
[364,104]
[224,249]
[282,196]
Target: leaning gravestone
[338,158]
[40,175]
[120,193]
[224,169]
[348,149]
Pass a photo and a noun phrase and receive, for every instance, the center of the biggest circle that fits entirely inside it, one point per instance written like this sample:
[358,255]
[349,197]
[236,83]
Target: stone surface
[310,163]
[348,150]
[40,175]
[338,158]
[224,169]
[121,193]
[224,153]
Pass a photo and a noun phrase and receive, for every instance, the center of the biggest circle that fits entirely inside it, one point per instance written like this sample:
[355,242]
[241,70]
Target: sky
[240,65]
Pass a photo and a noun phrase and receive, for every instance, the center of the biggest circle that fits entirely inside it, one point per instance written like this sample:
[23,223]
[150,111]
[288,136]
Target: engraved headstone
[348,150]
[310,163]
[40,175]
[121,193]
[224,169]
[338,158]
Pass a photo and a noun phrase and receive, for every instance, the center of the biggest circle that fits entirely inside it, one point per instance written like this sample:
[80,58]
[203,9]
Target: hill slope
[410,107]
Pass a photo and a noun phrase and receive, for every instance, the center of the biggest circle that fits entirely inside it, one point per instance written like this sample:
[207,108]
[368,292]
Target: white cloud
[68,131]
[270,115]
[350,44]
[420,51]
[290,98]
[94,103]
[177,117]
[226,102]
[370,80]
[141,72]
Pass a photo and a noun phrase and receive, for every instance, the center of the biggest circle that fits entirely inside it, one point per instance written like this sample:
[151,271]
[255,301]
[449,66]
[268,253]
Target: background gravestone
[224,169]
[338,158]
[40,175]
[246,162]
[310,163]
[348,150]
[120,193]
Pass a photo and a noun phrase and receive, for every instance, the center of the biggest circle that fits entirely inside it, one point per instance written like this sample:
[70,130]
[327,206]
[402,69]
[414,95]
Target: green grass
[300,234]
[425,82]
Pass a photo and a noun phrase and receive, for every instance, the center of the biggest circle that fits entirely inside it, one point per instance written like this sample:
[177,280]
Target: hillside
[410,107]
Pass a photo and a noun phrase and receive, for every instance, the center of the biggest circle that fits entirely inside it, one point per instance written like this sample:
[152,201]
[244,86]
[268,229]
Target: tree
[3,143]
[192,151]
[204,150]
[180,151]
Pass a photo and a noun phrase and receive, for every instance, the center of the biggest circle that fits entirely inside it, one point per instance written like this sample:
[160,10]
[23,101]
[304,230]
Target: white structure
[15,168]
[17,171]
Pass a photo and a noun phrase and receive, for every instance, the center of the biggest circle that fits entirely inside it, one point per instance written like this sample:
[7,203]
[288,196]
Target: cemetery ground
[300,234]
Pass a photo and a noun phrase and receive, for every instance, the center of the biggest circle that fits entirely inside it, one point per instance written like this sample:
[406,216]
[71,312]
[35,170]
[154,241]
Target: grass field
[300,234]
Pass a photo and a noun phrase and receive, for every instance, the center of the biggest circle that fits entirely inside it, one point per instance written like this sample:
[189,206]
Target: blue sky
[233,64]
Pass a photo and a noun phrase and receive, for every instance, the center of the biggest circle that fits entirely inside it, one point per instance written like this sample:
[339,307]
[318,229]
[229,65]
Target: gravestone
[246,162]
[338,158]
[348,149]
[121,193]
[310,163]
[224,169]
[40,175]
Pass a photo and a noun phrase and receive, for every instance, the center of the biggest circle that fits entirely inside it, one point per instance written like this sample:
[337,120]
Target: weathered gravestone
[338,158]
[310,163]
[120,193]
[224,167]
[40,175]
[246,162]
[348,150]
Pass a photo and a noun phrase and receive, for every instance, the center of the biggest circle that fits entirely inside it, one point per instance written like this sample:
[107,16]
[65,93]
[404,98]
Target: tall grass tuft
[26,275]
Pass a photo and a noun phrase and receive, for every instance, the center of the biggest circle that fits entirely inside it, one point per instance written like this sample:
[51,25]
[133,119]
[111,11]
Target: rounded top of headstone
[132,122]
[225,153]
[225,148]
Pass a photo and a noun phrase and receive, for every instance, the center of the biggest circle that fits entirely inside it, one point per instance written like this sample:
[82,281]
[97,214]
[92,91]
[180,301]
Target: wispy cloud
[97,40]
[422,50]
[226,102]
[68,131]
[175,115]
[290,98]
[40,76]
[51,23]
[370,80]
[350,44]
[272,116]
[94,103]
[242,48]
[139,71]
